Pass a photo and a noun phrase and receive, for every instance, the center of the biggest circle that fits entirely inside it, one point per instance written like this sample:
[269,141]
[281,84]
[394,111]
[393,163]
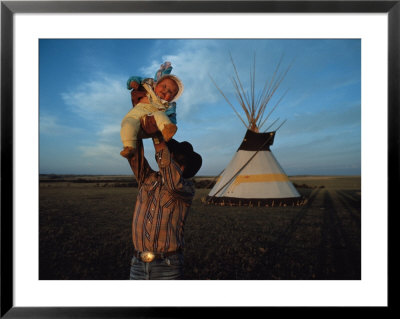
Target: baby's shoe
[168,131]
[127,152]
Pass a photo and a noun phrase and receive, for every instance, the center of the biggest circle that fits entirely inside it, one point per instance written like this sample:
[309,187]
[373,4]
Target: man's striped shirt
[162,204]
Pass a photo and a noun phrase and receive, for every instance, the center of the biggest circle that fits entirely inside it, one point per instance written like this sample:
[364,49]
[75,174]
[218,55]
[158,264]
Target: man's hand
[137,96]
[149,125]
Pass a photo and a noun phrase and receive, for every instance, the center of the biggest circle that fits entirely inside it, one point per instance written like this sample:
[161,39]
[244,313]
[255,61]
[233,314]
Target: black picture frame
[9,8]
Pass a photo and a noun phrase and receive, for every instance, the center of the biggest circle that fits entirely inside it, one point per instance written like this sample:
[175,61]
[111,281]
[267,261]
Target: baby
[138,92]
[157,101]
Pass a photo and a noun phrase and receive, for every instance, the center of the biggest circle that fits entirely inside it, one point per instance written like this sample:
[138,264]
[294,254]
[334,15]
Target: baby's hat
[165,68]
[177,81]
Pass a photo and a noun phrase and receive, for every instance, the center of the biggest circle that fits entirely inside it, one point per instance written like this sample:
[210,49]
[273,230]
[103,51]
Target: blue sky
[83,98]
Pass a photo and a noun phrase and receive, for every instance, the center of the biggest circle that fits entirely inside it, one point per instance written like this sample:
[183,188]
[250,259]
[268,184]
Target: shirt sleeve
[134,78]
[172,176]
[139,165]
[171,112]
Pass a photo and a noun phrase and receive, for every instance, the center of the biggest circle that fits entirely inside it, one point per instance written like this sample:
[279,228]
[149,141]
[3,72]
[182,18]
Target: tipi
[254,177]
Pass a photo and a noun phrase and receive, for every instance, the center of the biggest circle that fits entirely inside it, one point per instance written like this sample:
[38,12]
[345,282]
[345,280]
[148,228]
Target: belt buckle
[147,256]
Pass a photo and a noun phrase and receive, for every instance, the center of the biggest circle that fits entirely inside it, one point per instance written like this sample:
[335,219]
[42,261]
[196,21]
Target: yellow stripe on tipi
[260,178]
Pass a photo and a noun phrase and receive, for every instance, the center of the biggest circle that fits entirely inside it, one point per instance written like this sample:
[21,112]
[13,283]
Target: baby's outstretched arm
[134,85]
[134,82]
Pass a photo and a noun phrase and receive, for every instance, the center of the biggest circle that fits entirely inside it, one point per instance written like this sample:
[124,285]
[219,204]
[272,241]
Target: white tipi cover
[254,176]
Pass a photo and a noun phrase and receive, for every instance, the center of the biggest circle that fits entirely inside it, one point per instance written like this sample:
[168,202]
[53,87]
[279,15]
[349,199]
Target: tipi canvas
[254,176]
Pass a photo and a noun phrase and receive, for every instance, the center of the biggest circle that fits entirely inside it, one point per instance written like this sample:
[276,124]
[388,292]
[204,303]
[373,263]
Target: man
[162,204]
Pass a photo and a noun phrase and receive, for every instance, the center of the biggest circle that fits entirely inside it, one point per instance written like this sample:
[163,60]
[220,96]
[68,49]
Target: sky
[83,98]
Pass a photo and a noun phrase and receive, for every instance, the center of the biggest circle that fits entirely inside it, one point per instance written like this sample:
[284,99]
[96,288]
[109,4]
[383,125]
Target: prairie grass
[85,233]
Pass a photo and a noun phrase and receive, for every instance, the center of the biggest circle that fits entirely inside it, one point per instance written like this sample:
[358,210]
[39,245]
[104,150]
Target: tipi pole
[253,109]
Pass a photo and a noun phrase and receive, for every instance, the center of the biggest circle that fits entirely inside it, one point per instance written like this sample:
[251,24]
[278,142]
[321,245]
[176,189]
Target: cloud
[50,125]
[102,103]
[316,154]
[204,118]
[109,130]
[195,62]
[103,158]
[200,62]
[104,99]
[323,120]
[100,150]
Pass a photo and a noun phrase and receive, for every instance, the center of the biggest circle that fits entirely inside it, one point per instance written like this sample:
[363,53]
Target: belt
[149,256]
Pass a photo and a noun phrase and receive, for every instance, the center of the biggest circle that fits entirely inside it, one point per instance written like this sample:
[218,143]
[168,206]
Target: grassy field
[85,232]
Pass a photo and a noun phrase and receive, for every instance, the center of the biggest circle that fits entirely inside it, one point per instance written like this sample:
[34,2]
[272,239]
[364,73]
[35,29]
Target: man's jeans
[170,267]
